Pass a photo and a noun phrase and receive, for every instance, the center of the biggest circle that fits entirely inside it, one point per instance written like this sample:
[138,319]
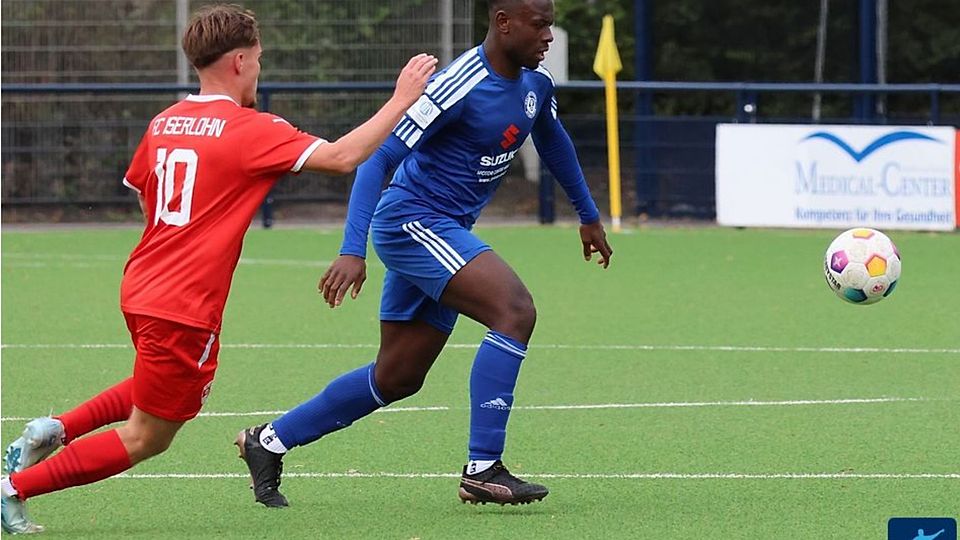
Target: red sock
[112,405]
[87,460]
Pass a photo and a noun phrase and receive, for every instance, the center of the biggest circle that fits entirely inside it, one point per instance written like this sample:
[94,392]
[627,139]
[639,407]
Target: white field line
[40,264]
[593,406]
[61,257]
[39,260]
[572,476]
[599,347]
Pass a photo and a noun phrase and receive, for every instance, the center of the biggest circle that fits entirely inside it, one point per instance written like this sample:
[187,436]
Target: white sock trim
[270,441]
[7,488]
[475,466]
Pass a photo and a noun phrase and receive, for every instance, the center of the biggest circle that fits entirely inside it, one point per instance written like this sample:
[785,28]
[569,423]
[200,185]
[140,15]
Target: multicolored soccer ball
[862,266]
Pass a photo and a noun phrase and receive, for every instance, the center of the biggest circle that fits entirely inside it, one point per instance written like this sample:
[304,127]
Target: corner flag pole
[606,65]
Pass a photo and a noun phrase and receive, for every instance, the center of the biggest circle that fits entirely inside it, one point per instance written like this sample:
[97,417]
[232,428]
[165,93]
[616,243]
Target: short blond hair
[217,29]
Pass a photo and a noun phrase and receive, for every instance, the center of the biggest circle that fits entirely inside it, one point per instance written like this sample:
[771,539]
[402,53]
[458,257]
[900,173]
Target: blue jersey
[456,143]
[465,131]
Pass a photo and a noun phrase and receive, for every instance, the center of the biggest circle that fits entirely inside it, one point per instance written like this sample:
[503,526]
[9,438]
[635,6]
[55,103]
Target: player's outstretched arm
[557,151]
[349,270]
[343,155]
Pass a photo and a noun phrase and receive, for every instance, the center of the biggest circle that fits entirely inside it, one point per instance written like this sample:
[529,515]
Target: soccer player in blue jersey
[450,152]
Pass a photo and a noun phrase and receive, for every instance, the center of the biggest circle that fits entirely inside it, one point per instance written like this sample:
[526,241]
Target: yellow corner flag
[606,65]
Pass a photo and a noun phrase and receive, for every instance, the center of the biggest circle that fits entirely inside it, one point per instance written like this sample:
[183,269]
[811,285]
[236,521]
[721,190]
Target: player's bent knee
[519,318]
[399,387]
[142,444]
[528,315]
[401,390]
[152,446]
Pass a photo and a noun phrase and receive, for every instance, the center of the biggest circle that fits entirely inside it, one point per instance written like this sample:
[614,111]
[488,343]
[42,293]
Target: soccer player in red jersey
[201,171]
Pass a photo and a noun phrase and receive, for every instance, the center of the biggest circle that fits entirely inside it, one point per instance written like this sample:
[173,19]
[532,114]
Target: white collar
[206,98]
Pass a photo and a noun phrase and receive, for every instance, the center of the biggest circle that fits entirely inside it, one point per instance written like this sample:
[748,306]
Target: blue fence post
[266,209]
[547,198]
[746,106]
[934,107]
[865,104]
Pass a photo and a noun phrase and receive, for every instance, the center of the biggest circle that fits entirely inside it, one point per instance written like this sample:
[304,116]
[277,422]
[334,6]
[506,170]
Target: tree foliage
[770,41]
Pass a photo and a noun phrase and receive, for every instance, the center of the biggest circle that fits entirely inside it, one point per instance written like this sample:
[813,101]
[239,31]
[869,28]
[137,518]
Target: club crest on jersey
[530,104]
[425,107]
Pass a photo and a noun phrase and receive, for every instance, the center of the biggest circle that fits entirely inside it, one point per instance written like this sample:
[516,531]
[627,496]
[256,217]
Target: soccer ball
[862,266]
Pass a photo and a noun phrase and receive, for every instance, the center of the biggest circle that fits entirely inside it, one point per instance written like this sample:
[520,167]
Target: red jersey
[203,167]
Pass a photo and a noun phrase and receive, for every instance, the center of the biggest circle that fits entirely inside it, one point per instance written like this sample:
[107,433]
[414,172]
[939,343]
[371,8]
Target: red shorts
[174,367]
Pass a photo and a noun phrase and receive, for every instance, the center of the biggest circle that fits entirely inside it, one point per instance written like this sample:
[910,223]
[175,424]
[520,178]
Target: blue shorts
[422,250]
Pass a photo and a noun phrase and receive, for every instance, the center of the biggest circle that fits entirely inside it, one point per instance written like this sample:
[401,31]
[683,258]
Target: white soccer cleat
[15,518]
[40,438]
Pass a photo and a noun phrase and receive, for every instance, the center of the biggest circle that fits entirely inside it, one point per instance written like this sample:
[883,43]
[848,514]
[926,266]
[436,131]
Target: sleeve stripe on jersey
[404,126]
[456,81]
[553,107]
[129,185]
[408,127]
[306,154]
[443,92]
[452,70]
[408,132]
[466,87]
[413,137]
[545,71]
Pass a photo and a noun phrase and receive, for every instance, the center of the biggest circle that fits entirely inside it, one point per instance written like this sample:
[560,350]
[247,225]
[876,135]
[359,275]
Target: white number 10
[166,170]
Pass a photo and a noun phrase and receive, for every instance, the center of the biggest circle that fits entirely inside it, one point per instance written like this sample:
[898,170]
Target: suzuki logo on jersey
[509,137]
[499,159]
[494,167]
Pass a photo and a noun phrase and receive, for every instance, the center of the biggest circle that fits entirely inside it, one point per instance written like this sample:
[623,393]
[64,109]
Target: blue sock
[346,399]
[492,380]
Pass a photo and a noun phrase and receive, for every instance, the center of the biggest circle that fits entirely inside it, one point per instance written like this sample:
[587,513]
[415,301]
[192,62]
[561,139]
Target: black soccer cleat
[497,485]
[265,468]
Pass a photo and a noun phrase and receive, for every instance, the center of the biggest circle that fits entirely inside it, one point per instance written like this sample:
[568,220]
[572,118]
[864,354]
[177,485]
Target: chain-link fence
[62,148]
[67,148]
[63,41]
[74,148]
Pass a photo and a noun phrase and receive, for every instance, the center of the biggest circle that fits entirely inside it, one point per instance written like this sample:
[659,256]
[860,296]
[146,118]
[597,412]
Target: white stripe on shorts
[206,350]
[451,265]
[440,243]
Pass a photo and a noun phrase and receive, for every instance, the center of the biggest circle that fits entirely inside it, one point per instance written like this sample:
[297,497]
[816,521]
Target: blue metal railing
[746,98]
[745,91]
